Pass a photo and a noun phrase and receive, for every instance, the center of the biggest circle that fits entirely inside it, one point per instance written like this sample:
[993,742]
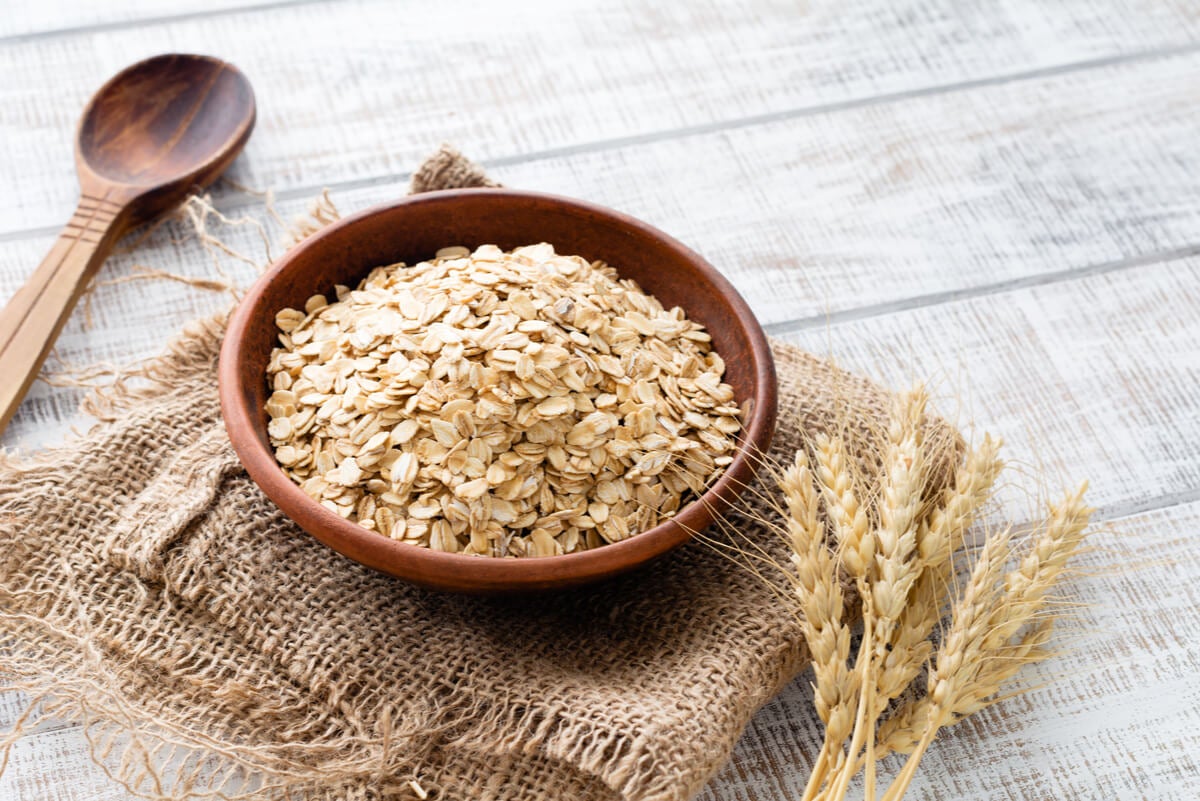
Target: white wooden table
[1001,196]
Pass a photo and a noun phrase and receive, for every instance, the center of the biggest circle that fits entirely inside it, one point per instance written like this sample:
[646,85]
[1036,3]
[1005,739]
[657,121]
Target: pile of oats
[499,404]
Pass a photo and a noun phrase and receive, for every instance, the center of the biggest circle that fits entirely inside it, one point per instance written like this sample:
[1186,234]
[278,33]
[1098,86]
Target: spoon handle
[32,319]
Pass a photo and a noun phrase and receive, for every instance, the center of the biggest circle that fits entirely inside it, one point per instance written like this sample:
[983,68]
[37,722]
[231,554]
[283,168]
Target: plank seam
[1158,503]
[767,118]
[146,22]
[667,134]
[984,290]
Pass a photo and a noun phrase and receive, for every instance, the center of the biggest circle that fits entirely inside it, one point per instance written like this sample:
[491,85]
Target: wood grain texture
[56,765]
[23,21]
[1090,378]
[358,90]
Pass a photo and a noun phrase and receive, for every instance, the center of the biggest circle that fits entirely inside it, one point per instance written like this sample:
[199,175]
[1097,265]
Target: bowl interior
[413,230]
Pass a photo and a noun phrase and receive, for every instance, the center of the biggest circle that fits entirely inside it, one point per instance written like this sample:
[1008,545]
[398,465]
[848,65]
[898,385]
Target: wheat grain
[895,568]
[940,535]
[970,624]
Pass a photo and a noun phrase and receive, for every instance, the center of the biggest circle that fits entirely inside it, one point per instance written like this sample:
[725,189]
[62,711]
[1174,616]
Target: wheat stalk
[821,603]
[851,532]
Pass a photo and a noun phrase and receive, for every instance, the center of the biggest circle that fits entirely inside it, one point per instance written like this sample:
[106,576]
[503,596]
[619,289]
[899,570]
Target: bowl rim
[462,572]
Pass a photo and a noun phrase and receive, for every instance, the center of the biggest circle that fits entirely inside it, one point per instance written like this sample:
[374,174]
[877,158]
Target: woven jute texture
[151,592]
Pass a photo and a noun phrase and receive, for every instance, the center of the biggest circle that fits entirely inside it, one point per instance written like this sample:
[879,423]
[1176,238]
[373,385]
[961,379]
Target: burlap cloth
[150,591]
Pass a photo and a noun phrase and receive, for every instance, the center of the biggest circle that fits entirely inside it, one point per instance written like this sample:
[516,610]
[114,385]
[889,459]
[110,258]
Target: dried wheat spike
[825,627]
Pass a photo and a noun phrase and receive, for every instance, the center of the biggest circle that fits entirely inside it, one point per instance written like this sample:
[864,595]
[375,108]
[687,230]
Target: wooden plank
[1095,178]
[1091,378]
[1100,169]
[883,206]
[355,91]
[56,766]
[1114,717]
[22,21]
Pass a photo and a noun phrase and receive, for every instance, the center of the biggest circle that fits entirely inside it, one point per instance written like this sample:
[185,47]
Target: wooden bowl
[411,230]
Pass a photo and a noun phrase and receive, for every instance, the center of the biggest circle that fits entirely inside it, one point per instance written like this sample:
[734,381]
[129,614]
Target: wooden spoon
[153,134]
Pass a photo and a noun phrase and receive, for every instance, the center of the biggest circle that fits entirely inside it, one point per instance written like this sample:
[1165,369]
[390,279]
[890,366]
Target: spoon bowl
[163,126]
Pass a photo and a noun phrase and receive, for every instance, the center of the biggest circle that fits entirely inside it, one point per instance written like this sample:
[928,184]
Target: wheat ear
[895,569]
[979,653]
[850,528]
[1027,587]
[961,650]
[939,536]
[823,609]
[892,571]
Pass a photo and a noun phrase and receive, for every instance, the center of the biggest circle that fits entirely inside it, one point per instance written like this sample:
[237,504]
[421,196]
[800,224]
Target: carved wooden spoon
[154,133]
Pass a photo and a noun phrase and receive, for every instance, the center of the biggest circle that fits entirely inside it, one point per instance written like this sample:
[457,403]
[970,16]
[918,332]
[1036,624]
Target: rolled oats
[499,404]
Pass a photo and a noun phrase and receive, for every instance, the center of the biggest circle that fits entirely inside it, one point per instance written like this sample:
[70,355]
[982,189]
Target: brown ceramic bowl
[413,229]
